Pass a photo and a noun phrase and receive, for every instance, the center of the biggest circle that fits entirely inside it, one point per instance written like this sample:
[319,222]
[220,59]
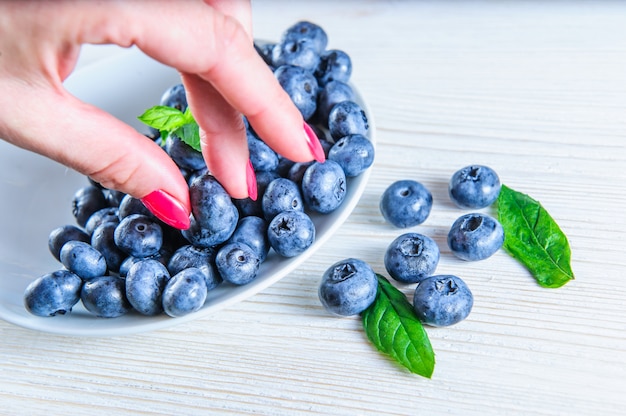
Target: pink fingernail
[251,181]
[314,144]
[167,208]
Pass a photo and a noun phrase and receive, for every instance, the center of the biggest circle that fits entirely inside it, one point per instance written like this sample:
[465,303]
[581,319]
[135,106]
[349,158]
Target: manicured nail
[314,144]
[251,181]
[167,208]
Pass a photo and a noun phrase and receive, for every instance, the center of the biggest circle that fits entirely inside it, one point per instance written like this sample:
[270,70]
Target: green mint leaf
[391,325]
[190,134]
[162,117]
[533,237]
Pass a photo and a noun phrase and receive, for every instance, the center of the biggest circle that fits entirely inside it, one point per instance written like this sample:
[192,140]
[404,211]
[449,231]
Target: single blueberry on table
[185,292]
[145,282]
[252,231]
[301,86]
[215,215]
[281,194]
[139,236]
[291,233]
[334,65]
[53,294]
[237,263]
[83,260]
[475,236]
[61,235]
[345,118]
[442,300]
[354,153]
[411,257]
[348,287]
[103,240]
[202,258]
[176,97]
[332,93]
[474,186]
[105,297]
[324,186]
[406,203]
[86,201]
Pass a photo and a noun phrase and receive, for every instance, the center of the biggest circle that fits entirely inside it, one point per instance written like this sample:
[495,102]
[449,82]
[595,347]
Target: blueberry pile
[438,300]
[118,257]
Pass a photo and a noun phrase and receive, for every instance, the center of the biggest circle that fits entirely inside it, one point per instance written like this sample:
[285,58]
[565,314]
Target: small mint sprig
[172,121]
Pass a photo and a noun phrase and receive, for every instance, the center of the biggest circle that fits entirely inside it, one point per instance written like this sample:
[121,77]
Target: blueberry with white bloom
[306,30]
[262,157]
[301,86]
[145,282]
[474,186]
[185,156]
[86,201]
[176,97]
[83,260]
[61,235]
[442,300]
[354,153]
[345,118]
[103,240]
[475,236]
[109,214]
[237,263]
[332,93]
[348,287]
[252,231]
[334,65]
[202,258]
[105,297]
[139,236]
[324,186]
[411,257]
[406,203]
[53,294]
[281,194]
[291,233]
[185,292]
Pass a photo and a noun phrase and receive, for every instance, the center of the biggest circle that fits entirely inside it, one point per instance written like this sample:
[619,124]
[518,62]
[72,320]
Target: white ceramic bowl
[37,193]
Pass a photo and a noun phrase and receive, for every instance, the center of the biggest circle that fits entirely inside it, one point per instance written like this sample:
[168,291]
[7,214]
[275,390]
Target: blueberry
[306,30]
[130,205]
[262,157]
[474,186]
[53,294]
[103,240]
[290,233]
[62,235]
[442,300]
[252,231]
[282,194]
[237,263]
[176,97]
[406,203]
[139,236]
[475,236]
[114,197]
[334,65]
[190,256]
[86,201]
[411,257]
[332,93]
[110,214]
[83,260]
[296,171]
[185,292]
[213,210]
[354,153]
[185,156]
[324,186]
[247,206]
[301,86]
[345,118]
[300,52]
[348,287]
[145,282]
[105,297]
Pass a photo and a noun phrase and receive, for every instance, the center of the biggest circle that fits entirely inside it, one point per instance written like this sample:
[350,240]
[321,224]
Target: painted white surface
[536,90]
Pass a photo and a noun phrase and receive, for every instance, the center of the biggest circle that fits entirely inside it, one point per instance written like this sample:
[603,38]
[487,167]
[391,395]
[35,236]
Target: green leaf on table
[392,326]
[534,238]
[169,120]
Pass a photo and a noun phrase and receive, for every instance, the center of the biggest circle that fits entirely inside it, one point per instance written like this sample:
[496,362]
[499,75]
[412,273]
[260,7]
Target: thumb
[95,143]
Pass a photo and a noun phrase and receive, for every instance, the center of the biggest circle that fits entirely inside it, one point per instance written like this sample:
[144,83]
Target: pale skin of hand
[208,42]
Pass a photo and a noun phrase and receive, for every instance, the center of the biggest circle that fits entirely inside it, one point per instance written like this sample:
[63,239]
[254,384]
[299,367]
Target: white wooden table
[537,91]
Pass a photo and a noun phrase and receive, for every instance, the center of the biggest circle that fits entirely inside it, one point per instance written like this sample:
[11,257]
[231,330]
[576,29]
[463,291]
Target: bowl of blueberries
[80,259]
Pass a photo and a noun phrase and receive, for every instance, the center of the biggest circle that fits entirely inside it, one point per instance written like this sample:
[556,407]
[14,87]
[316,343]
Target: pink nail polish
[167,208]
[314,144]
[251,181]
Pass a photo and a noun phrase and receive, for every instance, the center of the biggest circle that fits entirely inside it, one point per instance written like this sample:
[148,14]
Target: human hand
[209,43]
